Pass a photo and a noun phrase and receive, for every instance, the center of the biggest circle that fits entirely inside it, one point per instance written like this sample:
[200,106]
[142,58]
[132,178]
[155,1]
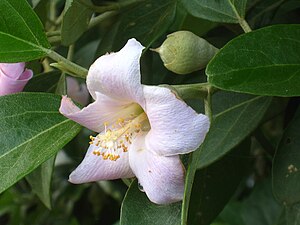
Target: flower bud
[184,52]
[13,77]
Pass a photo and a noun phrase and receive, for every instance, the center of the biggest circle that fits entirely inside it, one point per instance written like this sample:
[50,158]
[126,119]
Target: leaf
[21,33]
[225,11]
[137,209]
[212,190]
[75,21]
[229,128]
[286,165]
[43,82]
[293,215]
[262,62]
[41,9]
[40,181]
[259,208]
[32,131]
[146,21]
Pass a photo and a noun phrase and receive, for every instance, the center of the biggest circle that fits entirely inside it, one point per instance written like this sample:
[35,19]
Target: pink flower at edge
[13,77]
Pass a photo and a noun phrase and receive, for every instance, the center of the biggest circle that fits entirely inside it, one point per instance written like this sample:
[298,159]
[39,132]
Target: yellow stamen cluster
[116,138]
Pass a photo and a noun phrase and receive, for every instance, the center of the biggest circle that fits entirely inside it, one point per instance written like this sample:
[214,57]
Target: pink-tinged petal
[12,70]
[175,127]
[118,74]
[95,168]
[78,93]
[162,177]
[103,110]
[9,85]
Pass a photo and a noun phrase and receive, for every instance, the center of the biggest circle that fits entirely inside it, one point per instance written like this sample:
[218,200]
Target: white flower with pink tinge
[143,129]
[13,77]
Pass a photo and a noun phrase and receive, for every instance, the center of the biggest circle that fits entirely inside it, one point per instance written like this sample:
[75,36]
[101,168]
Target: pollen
[116,138]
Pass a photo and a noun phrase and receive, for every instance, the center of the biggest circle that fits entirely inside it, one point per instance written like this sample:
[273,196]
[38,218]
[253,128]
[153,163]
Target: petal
[162,177]
[95,168]
[103,110]
[12,70]
[175,127]
[9,85]
[118,74]
[77,92]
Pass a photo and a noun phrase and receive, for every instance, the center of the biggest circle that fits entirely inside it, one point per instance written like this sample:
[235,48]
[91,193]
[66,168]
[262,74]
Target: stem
[243,23]
[98,19]
[207,104]
[62,84]
[71,52]
[245,26]
[190,91]
[55,40]
[68,66]
[53,33]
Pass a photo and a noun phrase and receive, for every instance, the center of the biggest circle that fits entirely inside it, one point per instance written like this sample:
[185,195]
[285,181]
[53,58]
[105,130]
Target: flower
[77,92]
[143,129]
[13,77]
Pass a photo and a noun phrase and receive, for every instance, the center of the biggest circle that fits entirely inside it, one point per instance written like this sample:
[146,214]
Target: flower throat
[117,137]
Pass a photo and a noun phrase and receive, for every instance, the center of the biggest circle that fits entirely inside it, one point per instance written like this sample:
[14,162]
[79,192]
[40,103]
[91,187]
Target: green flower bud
[184,52]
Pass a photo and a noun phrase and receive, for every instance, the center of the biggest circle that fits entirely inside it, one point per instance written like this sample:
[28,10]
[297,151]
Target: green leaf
[262,62]
[225,11]
[286,166]
[212,190]
[32,131]
[293,215]
[137,209]
[21,33]
[75,21]
[43,82]
[259,208]
[40,181]
[146,21]
[41,9]
[229,128]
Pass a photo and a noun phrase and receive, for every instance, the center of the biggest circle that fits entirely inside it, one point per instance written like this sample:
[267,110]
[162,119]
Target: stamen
[117,138]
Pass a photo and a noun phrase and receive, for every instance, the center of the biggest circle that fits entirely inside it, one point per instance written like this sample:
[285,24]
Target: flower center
[117,137]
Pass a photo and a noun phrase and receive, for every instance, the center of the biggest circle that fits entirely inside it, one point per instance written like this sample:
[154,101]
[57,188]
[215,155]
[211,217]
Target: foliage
[246,171]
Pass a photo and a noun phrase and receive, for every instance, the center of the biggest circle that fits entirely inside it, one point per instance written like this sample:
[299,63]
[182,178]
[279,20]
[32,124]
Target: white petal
[118,74]
[103,110]
[175,127]
[95,168]
[162,177]
[78,93]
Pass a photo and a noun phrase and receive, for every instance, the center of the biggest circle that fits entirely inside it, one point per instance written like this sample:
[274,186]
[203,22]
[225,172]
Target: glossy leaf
[225,11]
[212,189]
[286,167]
[137,209]
[21,33]
[40,181]
[75,21]
[146,21]
[262,62]
[32,131]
